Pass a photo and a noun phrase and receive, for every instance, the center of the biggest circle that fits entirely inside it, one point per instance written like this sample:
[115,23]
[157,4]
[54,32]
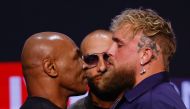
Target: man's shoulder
[38,103]
[163,96]
[165,91]
[79,104]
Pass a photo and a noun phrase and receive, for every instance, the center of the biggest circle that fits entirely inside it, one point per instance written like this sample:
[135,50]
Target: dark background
[21,18]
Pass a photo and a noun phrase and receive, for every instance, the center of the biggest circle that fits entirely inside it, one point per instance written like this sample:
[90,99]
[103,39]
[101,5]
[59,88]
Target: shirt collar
[145,85]
[88,101]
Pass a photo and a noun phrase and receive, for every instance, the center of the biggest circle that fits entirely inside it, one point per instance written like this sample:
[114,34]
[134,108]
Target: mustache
[94,77]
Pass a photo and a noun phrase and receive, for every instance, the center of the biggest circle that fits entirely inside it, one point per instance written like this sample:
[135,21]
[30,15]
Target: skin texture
[129,54]
[98,41]
[48,59]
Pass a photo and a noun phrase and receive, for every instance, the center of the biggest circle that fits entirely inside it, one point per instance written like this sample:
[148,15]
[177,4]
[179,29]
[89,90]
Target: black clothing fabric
[38,103]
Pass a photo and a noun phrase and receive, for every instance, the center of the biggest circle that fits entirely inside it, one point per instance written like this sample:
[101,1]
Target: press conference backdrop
[13,89]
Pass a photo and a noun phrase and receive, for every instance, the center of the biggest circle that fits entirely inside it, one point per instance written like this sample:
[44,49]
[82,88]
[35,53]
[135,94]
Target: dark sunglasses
[93,59]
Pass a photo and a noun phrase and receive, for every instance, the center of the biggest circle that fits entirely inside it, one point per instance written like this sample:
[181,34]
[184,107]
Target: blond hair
[152,25]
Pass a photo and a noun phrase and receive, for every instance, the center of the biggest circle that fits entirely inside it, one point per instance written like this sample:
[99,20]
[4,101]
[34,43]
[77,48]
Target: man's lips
[98,77]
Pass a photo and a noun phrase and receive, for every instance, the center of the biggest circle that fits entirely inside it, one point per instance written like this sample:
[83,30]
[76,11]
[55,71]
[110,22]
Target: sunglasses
[93,59]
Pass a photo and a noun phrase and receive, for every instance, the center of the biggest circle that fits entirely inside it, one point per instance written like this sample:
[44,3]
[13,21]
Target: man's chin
[80,91]
[97,81]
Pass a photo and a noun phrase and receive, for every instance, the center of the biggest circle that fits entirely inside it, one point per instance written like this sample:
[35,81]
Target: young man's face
[124,57]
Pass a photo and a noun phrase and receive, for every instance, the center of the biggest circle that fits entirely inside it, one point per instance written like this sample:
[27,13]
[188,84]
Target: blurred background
[19,19]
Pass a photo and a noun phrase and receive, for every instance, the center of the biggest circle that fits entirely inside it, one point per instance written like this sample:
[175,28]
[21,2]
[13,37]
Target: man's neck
[53,95]
[148,73]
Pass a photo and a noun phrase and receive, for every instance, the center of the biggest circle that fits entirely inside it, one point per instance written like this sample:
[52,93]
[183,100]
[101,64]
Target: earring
[142,70]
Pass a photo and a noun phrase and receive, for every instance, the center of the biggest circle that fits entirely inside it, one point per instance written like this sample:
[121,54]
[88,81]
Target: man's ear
[49,67]
[146,56]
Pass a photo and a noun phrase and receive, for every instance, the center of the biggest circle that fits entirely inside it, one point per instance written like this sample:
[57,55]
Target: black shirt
[38,103]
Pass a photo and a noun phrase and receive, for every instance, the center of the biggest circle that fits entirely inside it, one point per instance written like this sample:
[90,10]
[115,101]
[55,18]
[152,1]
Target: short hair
[152,25]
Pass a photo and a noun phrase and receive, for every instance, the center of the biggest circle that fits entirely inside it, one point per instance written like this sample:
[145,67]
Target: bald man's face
[53,60]
[96,46]
[70,64]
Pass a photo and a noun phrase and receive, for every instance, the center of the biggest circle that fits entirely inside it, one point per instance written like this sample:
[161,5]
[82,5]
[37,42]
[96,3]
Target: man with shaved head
[52,69]
[94,47]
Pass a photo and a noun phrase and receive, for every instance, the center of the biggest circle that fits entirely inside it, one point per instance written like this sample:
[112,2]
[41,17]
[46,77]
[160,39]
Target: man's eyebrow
[115,39]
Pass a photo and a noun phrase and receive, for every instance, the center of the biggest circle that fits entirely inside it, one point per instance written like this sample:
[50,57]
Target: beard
[103,95]
[112,83]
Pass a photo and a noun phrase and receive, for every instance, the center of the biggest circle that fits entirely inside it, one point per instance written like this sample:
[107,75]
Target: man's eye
[119,45]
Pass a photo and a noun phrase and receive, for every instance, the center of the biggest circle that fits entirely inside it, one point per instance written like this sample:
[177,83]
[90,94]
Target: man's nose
[101,67]
[112,50]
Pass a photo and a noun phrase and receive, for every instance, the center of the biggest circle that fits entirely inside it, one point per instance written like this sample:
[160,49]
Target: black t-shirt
[38,103]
